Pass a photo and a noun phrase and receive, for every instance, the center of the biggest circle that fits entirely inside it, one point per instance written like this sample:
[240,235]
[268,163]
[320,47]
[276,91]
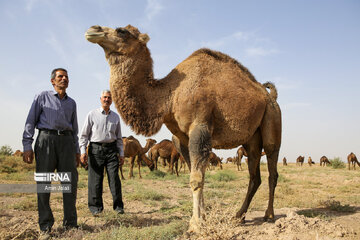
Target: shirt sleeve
[30,124]
[119,141]
[75,127]
[85,134]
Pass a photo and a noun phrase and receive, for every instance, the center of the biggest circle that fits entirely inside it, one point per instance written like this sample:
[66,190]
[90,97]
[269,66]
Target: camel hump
[273,90]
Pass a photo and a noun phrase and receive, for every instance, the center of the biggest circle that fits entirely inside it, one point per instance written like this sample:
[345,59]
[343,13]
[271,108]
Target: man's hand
[77,159]
[28,156]
[84,159]
[121,161]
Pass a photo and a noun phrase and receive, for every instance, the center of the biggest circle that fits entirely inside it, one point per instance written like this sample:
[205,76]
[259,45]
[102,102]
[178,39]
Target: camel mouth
[94,36]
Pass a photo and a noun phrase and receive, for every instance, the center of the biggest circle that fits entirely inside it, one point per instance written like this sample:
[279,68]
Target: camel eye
[122,31]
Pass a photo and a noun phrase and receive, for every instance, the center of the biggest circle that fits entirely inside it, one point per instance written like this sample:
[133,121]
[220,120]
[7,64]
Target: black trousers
[53,152]
[99,158]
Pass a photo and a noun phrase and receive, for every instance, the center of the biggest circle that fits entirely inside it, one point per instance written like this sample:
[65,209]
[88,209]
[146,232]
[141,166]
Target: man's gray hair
[104,91]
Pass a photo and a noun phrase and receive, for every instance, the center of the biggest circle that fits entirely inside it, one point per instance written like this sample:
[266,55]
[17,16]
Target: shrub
[6,150]
[224,176]
[337,163]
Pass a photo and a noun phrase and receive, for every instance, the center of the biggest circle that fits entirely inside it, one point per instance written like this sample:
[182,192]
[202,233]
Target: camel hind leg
[253,149]
[271,138]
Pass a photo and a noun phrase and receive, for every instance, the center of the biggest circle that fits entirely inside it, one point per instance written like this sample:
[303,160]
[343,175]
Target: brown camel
[310,161]
[352,160]
[231,160]
[300,160]
[167,151]
[133,149]
[18,153]
[208,101]
[239,155]
[284,161]
[324,161]
[214,161]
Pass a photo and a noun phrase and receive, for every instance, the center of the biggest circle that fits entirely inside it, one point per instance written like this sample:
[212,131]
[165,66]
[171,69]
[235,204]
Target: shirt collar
[103,111]
[57,95]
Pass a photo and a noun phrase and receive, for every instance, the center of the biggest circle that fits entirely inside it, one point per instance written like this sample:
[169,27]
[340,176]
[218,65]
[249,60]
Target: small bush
[147,195]
[223,176]
[6,150]
[337,163]
[337,206]
[156,174]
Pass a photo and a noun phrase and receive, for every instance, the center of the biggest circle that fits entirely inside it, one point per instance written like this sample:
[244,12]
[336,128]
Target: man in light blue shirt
[102,129]
[53,113]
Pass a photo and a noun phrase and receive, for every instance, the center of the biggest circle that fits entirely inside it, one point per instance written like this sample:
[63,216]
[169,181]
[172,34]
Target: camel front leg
[200,147]
[139,165]
[131,174]
[121,172]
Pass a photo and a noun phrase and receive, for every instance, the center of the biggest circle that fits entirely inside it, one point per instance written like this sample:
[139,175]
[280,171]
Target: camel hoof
[269,219]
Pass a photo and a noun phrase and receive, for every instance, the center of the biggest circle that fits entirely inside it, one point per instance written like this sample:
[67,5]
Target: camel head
[120,41]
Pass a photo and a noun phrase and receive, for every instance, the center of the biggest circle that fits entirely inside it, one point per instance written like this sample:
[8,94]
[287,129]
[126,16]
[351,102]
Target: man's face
[61,80]
[106,100]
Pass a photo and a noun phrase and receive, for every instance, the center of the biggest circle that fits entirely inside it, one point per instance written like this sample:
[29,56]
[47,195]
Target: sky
[309,49]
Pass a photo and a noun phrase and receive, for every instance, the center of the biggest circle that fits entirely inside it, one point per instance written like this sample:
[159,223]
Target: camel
[352,160]
[18,153]
[207,101]
[231,160]
[284,161]
[167,151]
[214,161]
[324,161]
[132,149]
[310,161]
[300,160]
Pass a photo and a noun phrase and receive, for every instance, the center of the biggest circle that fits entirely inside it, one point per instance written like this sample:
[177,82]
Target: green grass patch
[28,204]
[222,176]
[144,195]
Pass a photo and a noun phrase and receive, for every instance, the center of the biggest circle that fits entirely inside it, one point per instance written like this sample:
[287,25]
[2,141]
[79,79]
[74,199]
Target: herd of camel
[324,161]
[166,152]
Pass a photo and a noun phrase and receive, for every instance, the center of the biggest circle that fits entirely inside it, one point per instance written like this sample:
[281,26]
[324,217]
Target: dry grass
[159,206]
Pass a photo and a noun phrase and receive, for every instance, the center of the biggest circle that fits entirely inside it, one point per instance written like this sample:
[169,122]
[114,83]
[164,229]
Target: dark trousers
[56,152]
[101,157]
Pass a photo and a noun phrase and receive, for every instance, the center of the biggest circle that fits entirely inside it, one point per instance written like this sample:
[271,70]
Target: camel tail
[273,90]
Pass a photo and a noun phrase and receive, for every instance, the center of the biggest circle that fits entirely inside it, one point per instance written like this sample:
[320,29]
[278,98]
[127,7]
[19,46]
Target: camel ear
[143,37]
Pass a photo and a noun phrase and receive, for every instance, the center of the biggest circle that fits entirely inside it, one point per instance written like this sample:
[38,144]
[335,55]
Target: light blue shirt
[48,111]
[102,128]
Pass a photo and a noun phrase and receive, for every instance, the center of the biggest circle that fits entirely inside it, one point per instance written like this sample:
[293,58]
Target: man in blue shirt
[53,113]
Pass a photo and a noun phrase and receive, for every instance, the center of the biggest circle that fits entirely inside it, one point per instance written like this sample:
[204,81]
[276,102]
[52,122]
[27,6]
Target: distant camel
[310,161]
[324,161]
[132,149]
[214,161]
[18,153]
[167,151]
[239,155]
[352,160]
[300,160]
[231,160]
[284,161]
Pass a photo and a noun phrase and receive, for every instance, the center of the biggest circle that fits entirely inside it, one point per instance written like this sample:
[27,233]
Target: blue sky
[309,49]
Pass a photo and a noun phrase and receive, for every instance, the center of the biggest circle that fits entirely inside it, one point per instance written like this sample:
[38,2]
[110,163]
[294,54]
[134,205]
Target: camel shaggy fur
[352,160]
[133,149]
[207,101]
[324,161]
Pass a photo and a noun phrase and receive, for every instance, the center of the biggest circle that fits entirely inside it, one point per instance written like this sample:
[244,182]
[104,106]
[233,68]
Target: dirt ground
[18,214]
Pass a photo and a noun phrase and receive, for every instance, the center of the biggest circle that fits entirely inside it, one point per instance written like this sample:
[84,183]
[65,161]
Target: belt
[57,132]
[112,144]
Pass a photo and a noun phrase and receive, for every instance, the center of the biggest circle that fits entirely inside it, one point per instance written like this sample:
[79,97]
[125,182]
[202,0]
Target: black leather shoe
[120,210]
